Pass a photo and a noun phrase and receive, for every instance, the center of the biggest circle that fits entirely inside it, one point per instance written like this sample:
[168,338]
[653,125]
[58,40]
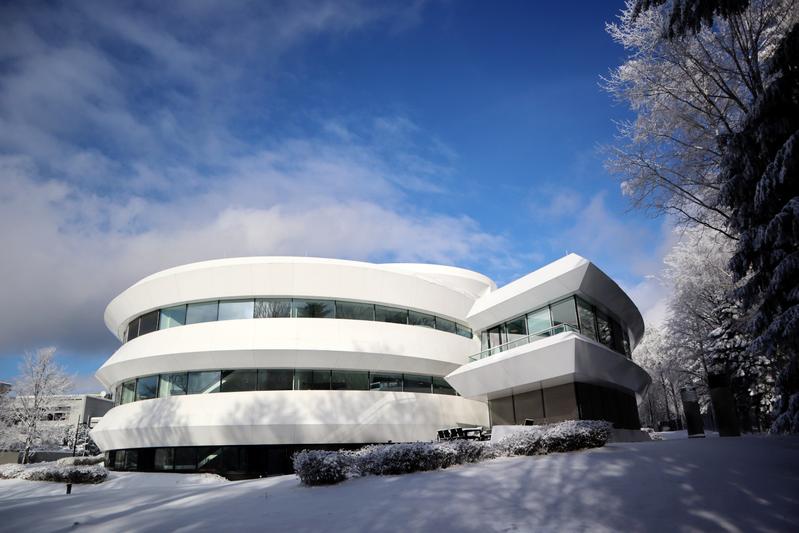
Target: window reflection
[147,388]
[313,309]
[391,314]
[202,312]
[236,309]
[199,312]
[172,316]
[355,311]
[204,382]
[272,308]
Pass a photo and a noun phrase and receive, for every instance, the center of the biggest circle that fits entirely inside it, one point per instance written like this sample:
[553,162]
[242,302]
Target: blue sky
[134,137]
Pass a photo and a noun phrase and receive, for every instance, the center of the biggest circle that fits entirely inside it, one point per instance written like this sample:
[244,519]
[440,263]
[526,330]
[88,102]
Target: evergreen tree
[760,176]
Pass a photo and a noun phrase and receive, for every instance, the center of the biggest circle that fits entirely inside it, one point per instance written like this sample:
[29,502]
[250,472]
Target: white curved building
[232,365]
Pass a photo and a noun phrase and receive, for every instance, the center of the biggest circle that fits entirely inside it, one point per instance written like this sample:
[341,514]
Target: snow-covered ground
[715,484]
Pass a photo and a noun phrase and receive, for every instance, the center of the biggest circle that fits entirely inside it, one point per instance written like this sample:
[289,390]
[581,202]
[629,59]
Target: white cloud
[123,157]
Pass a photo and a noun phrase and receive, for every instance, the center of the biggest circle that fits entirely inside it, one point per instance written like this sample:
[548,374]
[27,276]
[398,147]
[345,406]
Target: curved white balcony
[300,278]
[561,358]
[289,343]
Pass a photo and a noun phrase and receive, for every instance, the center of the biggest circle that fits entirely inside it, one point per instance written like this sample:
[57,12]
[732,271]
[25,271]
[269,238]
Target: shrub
[315,467]
[77,461]
[11,470]
[319,467]
[52,471]
[565,436]
[524,442]
[469,451]
[402,458]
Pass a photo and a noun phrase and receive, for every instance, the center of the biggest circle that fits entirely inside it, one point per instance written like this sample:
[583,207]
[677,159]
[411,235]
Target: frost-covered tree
[41,379]
[686,91]
[661,401]
[754,184]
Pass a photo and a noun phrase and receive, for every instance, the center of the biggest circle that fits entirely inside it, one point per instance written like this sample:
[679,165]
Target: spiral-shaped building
[231,365]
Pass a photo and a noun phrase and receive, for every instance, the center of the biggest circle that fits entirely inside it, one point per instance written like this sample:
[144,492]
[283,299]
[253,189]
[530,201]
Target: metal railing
[521,341]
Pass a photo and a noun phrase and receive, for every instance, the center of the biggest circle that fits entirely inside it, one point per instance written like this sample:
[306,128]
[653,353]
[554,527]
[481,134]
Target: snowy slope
[738,484]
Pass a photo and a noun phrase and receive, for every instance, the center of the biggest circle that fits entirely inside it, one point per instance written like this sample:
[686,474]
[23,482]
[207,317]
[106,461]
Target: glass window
[391,314]
[440,386]
[538,321]
[516,328]
[118,395]
[146,388]
[209,458]
[414,383]
[236,309]
[131,459]
[238,380]
[585,312]
[204,382]
[627,350]
[275,379]
[443,324]
[355,311]
[312,379]
[202,312]
[119,460]
[604,334]
[313,309]
[128,391]
[494,337]
[349,380]
[463,331]
[172,385]
[185,458]
[164,459]
[172,316]
[272,308]
[385,382]
[231,459]
[149,323]
[416,318]
[484,341]
[133,329]
[564,312]
[618,338]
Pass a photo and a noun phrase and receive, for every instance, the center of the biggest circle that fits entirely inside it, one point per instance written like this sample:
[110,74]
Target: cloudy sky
[139,136]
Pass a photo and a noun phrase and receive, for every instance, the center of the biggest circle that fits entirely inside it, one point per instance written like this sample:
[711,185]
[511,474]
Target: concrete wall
[543,406]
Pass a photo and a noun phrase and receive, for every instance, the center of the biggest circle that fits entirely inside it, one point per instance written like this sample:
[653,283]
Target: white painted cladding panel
[285,417]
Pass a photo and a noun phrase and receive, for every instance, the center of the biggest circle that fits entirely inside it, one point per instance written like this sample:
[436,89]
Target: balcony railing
[521,341]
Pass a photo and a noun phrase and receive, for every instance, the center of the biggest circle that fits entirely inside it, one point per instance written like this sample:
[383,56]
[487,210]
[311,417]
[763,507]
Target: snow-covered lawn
[730,484]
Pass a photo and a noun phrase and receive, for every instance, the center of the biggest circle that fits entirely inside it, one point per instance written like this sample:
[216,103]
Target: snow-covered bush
[315,467]
[320,467]
[523,442]
[53,471]
[403,458]
[575,435]
[565,436]
[11,470]
[77,461]
[469,451]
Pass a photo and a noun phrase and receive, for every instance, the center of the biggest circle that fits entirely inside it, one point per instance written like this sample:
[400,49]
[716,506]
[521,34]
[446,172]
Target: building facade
[232,365]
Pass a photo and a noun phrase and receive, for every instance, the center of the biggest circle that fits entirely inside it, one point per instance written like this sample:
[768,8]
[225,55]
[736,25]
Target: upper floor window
[217,310]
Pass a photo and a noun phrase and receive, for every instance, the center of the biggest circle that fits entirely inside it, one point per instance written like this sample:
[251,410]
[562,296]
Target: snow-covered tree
[760,176]
[716,136]
[687,91]
[661,401]
[41,379]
